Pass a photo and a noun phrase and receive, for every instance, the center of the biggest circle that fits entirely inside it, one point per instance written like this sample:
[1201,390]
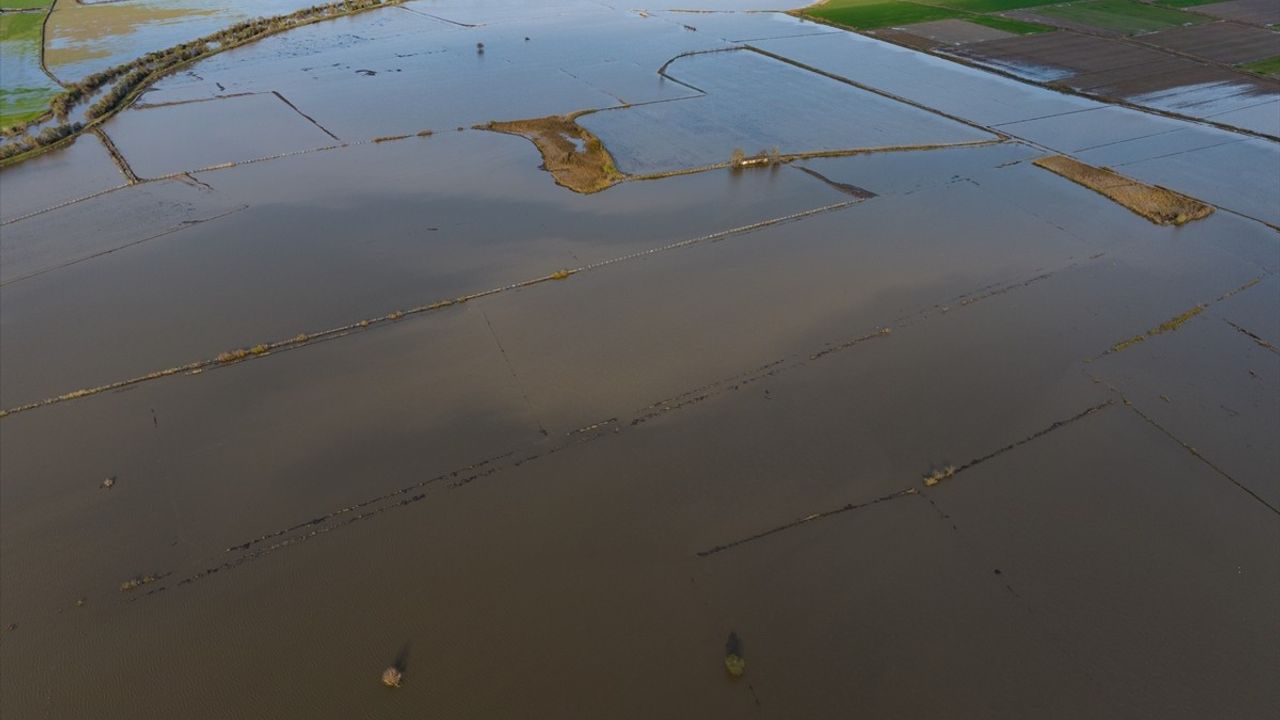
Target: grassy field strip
[1268,66]
[1127,16]
[1124,16]
[1175,322]
[874,14]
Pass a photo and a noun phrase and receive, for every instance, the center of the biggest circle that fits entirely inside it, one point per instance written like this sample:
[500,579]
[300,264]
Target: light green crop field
[871,14]
[24,88]
[1016,27]
[985,6]
[868,16]
[1268,66]
[23,4]
[1125,16]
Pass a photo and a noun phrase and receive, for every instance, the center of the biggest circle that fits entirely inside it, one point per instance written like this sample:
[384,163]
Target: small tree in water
[737,158]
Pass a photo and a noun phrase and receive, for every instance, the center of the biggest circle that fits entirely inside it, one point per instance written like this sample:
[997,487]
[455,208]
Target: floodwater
[84,38]
[753,102]
[559,497]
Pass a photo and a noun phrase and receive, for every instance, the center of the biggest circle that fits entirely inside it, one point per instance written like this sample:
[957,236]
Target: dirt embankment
[573,155]
[1160,206]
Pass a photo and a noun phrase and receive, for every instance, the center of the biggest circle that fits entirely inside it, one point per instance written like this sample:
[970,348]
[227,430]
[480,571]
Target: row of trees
[47,136]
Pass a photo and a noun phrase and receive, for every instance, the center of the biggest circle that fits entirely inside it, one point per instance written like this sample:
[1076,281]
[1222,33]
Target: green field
[1125,16]
[23,4]
[871,14]
[24,88]
[985,6]
[21,27]
[868,16]
[1016,27]
[1269,66]
[1183,3]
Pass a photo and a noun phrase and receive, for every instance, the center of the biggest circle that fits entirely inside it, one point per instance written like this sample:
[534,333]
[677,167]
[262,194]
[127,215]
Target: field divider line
[65,203]
[117,156]
[877,91]
[402,496]
[905,492]
[156,236]
[262,349]
[193,101]
[310,119]
[785,158]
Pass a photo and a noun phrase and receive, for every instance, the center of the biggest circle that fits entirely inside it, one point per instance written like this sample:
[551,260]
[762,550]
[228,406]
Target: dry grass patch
[1167,326]
[939,475]
[573,155]
[1160,206]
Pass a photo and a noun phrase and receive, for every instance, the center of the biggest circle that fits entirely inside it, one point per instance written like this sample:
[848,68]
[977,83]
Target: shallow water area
[753,103]
[316,377]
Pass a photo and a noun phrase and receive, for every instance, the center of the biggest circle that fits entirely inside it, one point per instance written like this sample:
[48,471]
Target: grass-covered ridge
[872,15]
[1268,66]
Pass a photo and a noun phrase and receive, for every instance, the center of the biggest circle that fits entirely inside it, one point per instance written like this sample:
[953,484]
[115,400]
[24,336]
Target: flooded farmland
[873,382]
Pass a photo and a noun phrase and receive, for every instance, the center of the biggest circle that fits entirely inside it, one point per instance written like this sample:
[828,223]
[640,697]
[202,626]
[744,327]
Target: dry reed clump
[583,166]
[1160,206]
[938,476]
[232,355]
[136,582]
[392,677]
[765,158]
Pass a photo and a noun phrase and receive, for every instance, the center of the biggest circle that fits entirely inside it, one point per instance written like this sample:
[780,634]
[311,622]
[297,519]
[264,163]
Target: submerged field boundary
[403,496]
[265,348]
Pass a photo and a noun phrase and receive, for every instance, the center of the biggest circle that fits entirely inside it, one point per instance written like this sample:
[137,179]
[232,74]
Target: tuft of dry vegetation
[232,355]
[573,155]
[392,677]
[1160,206]
[939,475]
[134,583]
[1167,326]
[739,160]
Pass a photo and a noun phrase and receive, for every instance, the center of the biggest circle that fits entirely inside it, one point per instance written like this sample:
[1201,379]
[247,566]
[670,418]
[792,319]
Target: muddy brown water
[560,499]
